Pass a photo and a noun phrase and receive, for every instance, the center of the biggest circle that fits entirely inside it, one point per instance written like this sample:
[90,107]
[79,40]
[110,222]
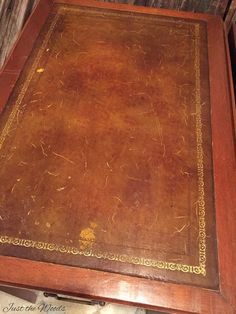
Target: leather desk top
[105,148]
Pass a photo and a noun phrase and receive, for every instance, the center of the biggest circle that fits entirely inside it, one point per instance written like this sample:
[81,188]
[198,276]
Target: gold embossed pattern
[107,139]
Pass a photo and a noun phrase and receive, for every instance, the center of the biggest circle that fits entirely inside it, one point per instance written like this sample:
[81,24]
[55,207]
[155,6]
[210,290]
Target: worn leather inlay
[106,148]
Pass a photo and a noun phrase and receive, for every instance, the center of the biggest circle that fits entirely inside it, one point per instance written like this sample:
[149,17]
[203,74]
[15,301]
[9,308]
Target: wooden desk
[117,157]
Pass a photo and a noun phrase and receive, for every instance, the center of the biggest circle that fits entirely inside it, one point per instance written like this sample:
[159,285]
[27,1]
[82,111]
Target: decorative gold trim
[29,78]
[114,13]
[200,163]
[111,256]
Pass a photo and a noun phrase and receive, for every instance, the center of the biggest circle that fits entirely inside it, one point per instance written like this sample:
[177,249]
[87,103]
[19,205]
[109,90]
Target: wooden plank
[230,17]
[232,52]
[17,58]
[12,17]
[207,6]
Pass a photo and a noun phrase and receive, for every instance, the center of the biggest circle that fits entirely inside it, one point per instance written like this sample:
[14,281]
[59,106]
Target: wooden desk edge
[110,287]
[125,289]
[140,9]
[224,163]
[16,60]
[232,66]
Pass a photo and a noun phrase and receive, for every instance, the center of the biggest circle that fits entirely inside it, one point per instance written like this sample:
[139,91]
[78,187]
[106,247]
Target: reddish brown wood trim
[138,291]
[230,69]
[110,287]
[231,15]
[137,9]
[21,50]
[223,159]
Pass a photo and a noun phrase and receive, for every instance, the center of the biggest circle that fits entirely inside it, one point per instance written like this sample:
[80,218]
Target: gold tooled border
[199,269]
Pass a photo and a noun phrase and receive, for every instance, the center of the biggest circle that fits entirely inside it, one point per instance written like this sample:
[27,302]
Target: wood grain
[169,297]
[213,7]
[112,287]
[207,6]
[230,17]
[23,46]
[13,15]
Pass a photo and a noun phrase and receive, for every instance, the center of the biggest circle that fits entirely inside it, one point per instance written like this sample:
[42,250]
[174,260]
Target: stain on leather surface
[106,148]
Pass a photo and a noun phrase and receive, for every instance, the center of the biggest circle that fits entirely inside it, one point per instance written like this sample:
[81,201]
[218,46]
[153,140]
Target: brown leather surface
[105,148]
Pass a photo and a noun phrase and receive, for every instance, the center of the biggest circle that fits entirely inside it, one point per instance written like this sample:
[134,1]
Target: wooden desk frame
[172,298]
